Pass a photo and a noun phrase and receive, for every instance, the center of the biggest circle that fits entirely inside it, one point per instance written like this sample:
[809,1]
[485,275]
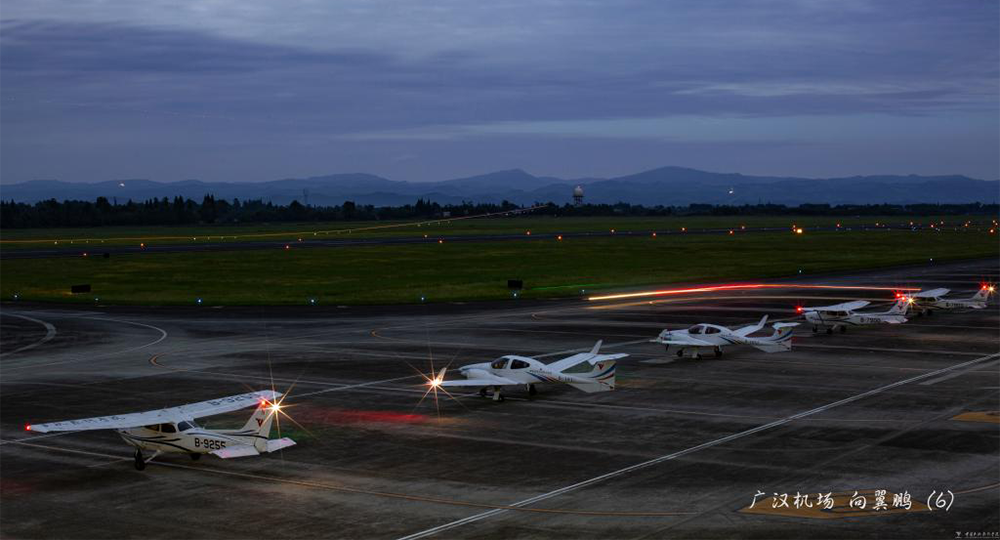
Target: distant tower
[578,196]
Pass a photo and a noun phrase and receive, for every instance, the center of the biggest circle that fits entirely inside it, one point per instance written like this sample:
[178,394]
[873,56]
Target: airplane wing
[171,414]
[747,330]
[846,306]
[481,380]
[933,293]
[592,357]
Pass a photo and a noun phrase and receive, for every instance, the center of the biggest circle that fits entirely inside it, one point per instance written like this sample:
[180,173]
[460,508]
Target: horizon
[254,92]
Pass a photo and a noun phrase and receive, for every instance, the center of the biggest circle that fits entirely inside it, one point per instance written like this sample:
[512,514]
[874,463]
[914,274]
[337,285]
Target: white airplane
[174,430]
[710,336]
[512,370]
[927,301]
[844,315]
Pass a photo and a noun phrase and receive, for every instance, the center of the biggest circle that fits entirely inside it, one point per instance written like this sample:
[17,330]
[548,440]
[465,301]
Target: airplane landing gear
[497,394]
[532,390]
[829,330]
[680,353]
[482,392]
[195,457]
[718,352]
[815,329]
[140,463]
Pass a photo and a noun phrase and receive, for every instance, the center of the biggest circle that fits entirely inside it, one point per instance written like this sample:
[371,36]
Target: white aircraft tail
[599,379]
[900,307]
[981,295]
[259,426]
[779,341]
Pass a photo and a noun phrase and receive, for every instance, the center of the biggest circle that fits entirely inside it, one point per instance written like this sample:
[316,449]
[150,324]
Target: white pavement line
[949,376]
[798,345]
[163,336]
[340,388]
[668,457]
[50,332]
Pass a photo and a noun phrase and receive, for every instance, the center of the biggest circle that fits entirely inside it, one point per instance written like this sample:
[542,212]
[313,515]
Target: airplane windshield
[499,363]
[184,426]
[695,329]
[519,364]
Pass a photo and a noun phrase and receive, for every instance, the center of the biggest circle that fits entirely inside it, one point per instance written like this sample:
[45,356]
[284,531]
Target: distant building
[578,196]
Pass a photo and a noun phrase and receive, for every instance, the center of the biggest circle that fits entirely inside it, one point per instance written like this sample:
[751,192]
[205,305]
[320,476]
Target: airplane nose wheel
[532,390]
[140,463]
[718,352]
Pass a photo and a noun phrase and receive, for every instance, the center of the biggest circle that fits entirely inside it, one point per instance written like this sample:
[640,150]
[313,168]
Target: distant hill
[666,186]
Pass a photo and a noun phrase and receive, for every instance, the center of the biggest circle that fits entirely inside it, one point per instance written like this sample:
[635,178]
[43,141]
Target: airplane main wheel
[718,352]
[843,329]
[829,330]
[140,463]
[195,457]
[532,390]
[680,353]
[500,397]
[815,329]
[482,392]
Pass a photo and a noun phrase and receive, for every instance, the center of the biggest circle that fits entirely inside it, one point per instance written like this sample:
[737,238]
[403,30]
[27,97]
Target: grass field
[67,237]
[473,271]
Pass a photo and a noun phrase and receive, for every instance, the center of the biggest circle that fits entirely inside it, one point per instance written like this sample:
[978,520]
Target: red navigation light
[559,237]
[27,427]
[731,231]
[798,309]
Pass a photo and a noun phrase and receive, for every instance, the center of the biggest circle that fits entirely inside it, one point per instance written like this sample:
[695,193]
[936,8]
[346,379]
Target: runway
[682,447]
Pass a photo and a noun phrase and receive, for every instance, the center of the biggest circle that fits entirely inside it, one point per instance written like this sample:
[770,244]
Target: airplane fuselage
[194,440]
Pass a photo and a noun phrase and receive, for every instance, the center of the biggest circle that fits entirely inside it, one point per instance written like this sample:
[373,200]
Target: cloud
[391,72]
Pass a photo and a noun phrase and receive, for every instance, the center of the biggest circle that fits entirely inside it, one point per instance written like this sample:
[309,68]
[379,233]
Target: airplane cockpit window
[168,428]
[519,364]
[695,329]
[499,363]
[154,427]
[184,426]
[710,330]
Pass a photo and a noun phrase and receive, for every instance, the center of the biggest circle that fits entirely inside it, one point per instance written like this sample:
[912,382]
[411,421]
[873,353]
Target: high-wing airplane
[701,337]
[844,315]
[174,430]
[512,370]
[927,301]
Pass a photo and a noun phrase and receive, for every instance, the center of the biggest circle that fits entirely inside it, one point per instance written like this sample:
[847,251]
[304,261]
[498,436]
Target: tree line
[182,211]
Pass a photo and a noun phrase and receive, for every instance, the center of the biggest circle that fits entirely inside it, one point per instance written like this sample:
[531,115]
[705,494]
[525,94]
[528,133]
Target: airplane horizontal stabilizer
[278,444]
[242,450]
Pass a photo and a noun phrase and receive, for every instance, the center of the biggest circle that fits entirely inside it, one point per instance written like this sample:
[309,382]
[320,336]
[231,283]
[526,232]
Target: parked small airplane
[844,315]
[927,301]
[174,430]
[701,337]
[512,370]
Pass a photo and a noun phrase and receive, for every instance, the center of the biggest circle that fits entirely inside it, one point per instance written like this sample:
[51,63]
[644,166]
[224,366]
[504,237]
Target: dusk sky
[255,90]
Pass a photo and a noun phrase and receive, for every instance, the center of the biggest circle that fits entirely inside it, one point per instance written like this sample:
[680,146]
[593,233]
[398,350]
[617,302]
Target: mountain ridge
[669,185]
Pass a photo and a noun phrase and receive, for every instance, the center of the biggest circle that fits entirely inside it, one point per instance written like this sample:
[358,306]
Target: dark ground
[372,463]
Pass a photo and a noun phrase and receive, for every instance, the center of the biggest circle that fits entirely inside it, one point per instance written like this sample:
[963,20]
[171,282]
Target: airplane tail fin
[259,425]
[981,295]
[779,341]
[900,307]
[599,379]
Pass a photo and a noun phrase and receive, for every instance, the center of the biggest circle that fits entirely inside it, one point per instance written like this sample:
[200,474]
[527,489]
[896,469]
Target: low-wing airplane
[174,430]
[844,315]
[927,301]
[513,370]
[701,337]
